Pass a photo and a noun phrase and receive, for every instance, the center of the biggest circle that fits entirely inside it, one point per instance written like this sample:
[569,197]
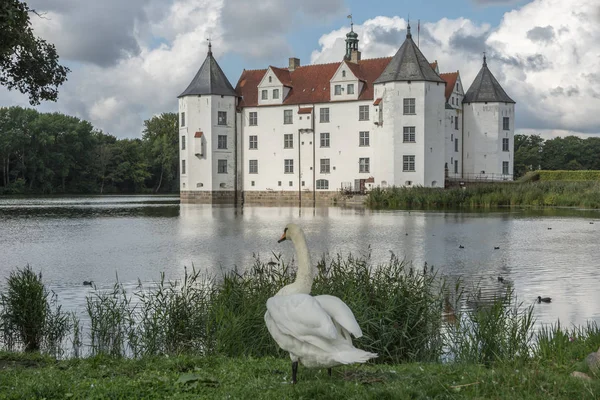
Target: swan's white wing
[340,312]
[301,316]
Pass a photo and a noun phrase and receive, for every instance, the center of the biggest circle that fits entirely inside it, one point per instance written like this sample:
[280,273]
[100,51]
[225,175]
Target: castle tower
[412,95]
[488,132]
[207,134]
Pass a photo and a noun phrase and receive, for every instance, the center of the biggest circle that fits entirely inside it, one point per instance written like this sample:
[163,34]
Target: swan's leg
[329,371]
[294,371]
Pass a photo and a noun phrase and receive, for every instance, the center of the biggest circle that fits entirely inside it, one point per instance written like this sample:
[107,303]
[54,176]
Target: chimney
[355,56]
[294,63]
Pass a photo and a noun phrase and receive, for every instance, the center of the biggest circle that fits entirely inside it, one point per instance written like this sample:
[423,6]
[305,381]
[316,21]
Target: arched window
[322,184]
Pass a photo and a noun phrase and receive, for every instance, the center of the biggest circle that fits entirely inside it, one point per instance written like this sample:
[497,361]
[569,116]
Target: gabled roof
[485,88]
[283,75]
[209,79]
[450,79]
[310,83]
[409,64]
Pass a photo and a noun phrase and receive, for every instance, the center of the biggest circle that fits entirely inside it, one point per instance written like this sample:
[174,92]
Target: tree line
[52,153]
[560,153]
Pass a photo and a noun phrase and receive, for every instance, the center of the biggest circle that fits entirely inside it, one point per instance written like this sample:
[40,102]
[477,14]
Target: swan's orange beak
[282,237]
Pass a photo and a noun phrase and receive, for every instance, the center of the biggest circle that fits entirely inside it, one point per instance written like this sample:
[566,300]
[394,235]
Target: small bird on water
[88,283]
[544,299]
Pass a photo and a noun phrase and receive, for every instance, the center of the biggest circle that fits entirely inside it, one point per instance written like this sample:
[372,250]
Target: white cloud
[551,73]
[545,54]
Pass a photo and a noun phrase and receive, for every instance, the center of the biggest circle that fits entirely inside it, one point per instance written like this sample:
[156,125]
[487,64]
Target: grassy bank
[185,377]
[585,194]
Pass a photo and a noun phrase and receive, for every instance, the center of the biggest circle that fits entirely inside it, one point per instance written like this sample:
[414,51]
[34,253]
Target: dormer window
[343,74]
[270,79]
[338,90]
[275,93]
[350,88]
[265,95]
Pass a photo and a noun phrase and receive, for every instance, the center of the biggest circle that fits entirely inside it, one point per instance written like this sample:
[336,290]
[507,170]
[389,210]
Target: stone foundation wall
[272,197]
[207,197]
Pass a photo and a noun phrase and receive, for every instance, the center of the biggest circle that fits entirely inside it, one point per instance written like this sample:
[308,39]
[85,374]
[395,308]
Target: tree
[528,153]
[27,63]
[160,134]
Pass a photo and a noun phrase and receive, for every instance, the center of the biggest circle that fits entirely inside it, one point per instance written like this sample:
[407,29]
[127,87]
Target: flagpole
[418,32]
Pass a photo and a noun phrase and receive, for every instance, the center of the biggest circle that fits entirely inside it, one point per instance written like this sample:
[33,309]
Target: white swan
[315,330]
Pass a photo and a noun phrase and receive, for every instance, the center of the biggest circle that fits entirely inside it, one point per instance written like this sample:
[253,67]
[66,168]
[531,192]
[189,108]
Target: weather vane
[351,22]
[209,45]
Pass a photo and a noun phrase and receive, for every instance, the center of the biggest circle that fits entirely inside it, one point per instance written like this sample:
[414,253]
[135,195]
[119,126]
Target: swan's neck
[304,276]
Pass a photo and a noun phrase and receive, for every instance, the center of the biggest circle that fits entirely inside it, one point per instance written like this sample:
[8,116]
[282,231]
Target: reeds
[406,314]
[541,193]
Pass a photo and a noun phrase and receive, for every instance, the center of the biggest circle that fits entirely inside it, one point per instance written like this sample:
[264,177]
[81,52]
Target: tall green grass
[406,314]
[30,317]
[541,193]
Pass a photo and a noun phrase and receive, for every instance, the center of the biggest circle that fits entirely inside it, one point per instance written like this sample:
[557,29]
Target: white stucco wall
[483,139]
[202,116]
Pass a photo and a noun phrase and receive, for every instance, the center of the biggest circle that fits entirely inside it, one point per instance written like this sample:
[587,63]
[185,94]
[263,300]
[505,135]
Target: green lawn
[183,377]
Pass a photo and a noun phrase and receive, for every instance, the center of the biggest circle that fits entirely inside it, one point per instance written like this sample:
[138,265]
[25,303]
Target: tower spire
[351,23]
[209,47]
[484,60]
[408,34]
[351,40]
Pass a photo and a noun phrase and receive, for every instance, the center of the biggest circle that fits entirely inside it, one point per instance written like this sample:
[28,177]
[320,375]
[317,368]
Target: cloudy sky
[130,59]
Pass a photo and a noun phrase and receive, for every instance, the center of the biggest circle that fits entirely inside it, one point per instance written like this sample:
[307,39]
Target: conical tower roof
[485,88]
[409,64]
[209,79]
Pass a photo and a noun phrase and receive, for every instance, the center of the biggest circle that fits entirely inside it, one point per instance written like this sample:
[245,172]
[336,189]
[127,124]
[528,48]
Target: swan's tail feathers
[354,356]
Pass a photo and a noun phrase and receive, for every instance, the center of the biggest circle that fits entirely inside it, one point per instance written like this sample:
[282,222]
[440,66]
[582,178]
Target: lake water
[97,238]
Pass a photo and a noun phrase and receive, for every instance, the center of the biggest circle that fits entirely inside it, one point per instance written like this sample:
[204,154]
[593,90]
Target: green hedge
[569,175]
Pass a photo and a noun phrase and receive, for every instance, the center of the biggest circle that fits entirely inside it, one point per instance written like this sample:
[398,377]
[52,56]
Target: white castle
[305,133]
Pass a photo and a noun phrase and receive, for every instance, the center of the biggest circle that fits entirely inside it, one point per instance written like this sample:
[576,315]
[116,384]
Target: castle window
[451,119]
[325,139]
[408,134]
[409,106]
[253,118]
[264,94]
[287,117]
[182,167]
[222,166]
[505,168]
[253,142]
[505,144]
[270,79]
[288,166]
[456,166]
[456,123]
[222,118]
[253,167]
[338,90]
[288,141]
[350,89]
[363,139]
[343,74]
[322,184]
[363,113]
[408,163]
[275,93]
[183,119]
[325,165]
[456,145]
[222,142]
[363,165]
[182,142]
[506,123]
[324,115]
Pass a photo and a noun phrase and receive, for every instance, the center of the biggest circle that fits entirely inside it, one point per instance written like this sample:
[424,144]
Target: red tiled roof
[376,103]
[450,79]
[283,75]
[304,110]
[198,134]
[310,83]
